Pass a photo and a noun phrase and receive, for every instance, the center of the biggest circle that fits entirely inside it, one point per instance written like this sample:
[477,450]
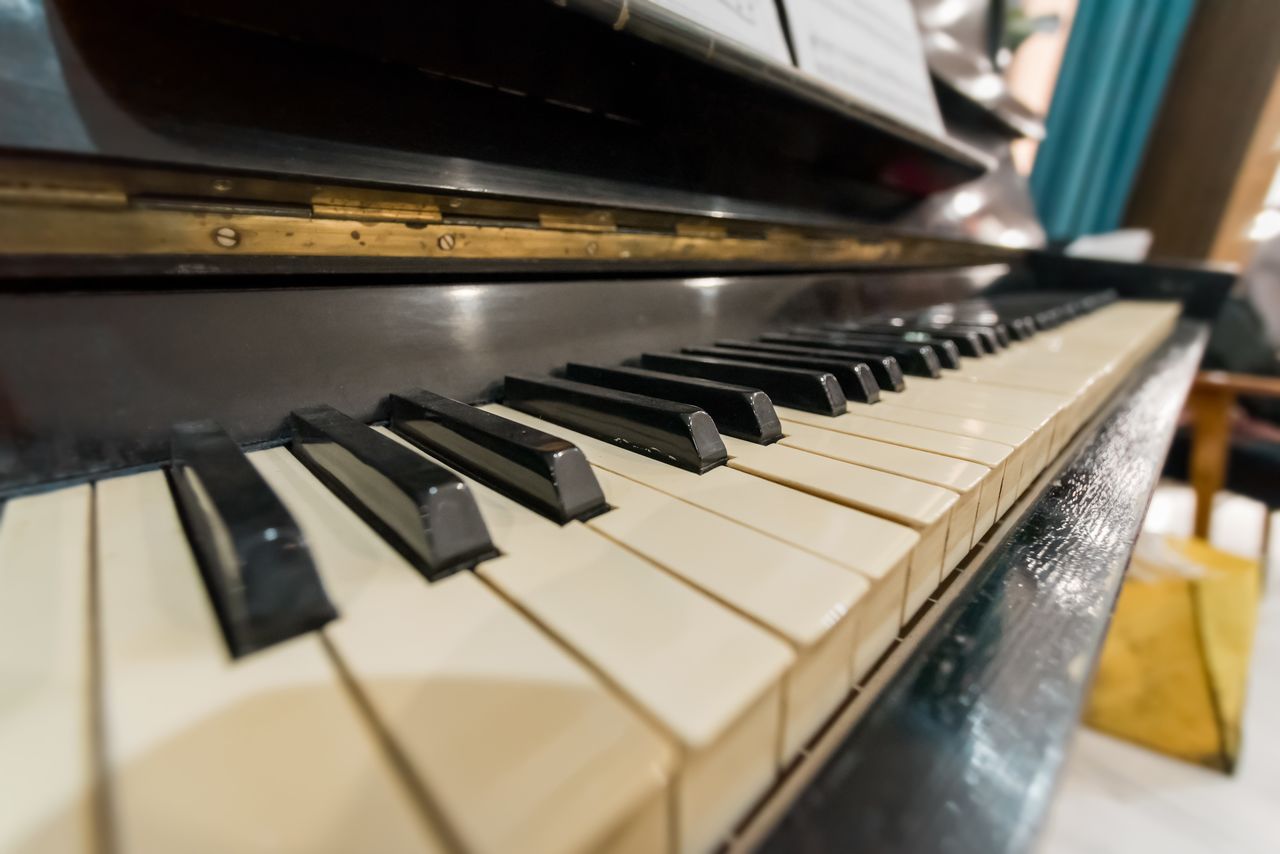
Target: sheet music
[753,23]
[872,50]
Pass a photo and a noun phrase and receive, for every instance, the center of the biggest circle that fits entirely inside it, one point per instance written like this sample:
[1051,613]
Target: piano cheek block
[257,568]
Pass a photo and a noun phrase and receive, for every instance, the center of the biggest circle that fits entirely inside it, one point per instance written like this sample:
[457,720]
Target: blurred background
[1161,139]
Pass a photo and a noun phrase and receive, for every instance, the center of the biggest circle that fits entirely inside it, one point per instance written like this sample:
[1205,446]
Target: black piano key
[968,343]
[673,433]
[854,377]
[916,361]
[423,510]
[256,566]
[977,315]
[885,369]
[739,411]
[944,351]
[810,391]
[988,336]
[1021,328]
[995,334]
[543,472]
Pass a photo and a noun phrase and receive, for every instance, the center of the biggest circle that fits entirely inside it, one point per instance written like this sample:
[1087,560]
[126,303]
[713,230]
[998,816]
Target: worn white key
[875,548]
[1076,388]
[46,764]
[711,678]
[968,480]
[925,508]
[1025,444]
[810,602]
[927,432]
[517,745]
[991,403]
[266,753]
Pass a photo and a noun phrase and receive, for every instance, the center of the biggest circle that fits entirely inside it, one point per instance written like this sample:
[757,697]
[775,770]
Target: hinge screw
[446,242]
[593,248]
[226,237]
[222,185]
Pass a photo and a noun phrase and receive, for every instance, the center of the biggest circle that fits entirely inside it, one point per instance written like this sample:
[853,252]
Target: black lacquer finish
[944,352]
[70,340]
[916,361]
[855,378]
[811,391]
[885,369]
[256,566]
[423,510]
[739,411]
[981,715]
[543,472]
[676,433]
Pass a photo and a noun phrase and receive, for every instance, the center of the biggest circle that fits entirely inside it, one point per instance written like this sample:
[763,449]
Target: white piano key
[991,403]
[711,678]
[925,508]
[926,431]
[875,548]
[813,604]
[518,745]
[968,480]
[46,717]
[266,753]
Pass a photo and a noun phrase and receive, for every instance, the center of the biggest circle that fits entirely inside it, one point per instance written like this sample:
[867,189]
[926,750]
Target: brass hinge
[579,220]
[701,228]
[370,208]
[22,192]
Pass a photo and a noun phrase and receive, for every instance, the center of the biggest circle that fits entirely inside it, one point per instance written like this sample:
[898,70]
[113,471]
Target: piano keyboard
[603,615]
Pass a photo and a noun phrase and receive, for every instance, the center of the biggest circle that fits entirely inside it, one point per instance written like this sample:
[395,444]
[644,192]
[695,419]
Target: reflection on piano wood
[607,613]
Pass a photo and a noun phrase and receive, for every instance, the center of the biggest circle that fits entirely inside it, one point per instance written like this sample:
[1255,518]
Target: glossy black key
[263,584]
[675,433]
[916,361]
[967,343]
[739,411]
[854,377]
[963,316]
[422,509]
[995,335]
[944,351]
[810,391]
[989,336]
[543,472]
[1021,328]
[885,369]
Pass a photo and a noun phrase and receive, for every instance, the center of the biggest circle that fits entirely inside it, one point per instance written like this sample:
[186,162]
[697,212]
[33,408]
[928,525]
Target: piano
[408,446]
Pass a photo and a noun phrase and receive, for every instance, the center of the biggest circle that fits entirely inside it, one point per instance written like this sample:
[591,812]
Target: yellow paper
[1174,668]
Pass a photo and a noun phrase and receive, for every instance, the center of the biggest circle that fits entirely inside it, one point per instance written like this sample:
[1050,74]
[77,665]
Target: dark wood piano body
[103,346]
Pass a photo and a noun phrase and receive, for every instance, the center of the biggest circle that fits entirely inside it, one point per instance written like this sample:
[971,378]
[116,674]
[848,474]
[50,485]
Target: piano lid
[641,109]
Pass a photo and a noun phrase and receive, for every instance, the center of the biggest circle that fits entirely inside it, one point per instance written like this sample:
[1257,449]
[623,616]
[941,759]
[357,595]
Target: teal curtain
[1118,59]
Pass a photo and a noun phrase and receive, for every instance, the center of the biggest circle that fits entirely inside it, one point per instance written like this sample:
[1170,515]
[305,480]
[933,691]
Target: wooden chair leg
[1210,447]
